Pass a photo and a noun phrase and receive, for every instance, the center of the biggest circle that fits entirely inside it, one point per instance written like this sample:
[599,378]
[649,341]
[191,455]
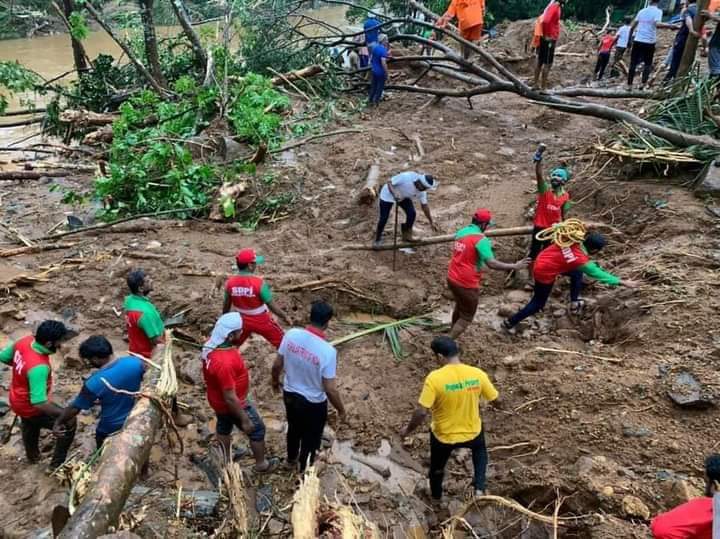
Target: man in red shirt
[607,42]
[251,296]
[31,388]
[227,380]
[471,252]
[693,519]
[573,261]
[553,202]
[550,33]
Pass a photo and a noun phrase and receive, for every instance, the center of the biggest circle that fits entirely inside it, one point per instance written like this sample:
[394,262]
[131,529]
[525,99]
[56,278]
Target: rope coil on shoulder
[565,233]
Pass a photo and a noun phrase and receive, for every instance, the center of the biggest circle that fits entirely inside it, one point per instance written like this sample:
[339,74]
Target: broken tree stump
[369,192]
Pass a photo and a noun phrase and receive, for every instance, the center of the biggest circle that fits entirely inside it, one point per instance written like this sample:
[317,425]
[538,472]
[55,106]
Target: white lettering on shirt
[243,291]
[19,362]
[568,254]
[303,353]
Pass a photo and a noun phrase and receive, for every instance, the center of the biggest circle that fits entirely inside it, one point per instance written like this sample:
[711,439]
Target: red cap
[482,215]
[248,256]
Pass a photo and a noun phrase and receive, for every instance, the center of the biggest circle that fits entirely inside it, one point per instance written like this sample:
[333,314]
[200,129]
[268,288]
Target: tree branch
[184,19]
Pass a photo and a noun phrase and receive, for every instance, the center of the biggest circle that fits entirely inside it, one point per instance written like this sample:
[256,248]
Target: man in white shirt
[310,363]
[403,189]
[623,41]
[645,26]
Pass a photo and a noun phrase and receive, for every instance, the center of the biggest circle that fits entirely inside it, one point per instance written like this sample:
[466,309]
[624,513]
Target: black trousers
[541,294]
[602,62]
[642,53]
[31,427]
[535,244]
[677,54]
[306,422]
[386,207]
[440,453]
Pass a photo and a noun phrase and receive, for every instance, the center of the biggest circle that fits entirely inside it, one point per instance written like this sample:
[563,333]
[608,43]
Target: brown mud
[595,427]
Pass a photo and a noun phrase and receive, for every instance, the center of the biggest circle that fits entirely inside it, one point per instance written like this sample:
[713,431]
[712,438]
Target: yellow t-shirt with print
[452,393]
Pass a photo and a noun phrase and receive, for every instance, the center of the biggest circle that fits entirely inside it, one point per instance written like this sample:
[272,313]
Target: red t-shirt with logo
[245,293]
[549,208]
[224,369]
[691,520]
[463,268]
[24,360]
[556,260]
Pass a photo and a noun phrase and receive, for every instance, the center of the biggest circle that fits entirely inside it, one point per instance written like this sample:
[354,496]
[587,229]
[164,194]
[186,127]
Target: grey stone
[632,431]
[709,182]
[686,392]
[204,503]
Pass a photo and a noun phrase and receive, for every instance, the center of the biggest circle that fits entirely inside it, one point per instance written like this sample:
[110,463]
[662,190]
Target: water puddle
[378,468]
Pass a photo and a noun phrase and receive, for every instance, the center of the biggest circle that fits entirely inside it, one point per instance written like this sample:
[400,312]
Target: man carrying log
[145,326]
[109,386]
[228,380]
[693,519]
[30,389]
[402,190]
[686,28]
[452,394]
[249,294]
[309,362]
[569,255]
[553,201]
[472,251]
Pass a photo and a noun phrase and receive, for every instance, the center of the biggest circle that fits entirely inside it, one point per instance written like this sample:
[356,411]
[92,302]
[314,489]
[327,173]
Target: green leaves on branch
[15,79]
[253,110]
[78,26]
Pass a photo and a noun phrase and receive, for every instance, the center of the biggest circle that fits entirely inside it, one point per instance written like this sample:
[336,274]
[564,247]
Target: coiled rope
[565,233]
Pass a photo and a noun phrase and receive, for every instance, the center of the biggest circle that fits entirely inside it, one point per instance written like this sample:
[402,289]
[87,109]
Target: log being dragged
[498,232]
[369,192]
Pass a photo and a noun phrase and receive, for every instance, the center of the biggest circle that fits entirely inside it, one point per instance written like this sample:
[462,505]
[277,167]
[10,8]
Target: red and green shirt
[550,206]
[144,324]
[556,260]
[31,375]
[249,293]
[471,251]
[225,369]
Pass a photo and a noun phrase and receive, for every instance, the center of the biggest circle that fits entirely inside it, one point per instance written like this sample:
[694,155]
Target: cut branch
[181,13]
[369,192]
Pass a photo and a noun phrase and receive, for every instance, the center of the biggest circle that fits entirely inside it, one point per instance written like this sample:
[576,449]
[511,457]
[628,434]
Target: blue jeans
[385,209]
[377,86]
[541,293]
[225,423]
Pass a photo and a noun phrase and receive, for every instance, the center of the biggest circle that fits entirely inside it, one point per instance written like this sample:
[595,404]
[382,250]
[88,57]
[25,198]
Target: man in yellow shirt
[452,393]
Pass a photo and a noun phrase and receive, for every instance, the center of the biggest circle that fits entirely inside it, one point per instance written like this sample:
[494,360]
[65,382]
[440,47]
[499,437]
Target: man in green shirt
[31,385]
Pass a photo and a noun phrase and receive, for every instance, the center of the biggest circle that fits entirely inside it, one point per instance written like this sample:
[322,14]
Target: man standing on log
[402,189]
[31,386]
[227,380]
[471,17]
[452,394]
[249,294]
[645,26]
[550,27]
[472,251]
[553,202]
[568,255]
[104,386]
[145,327]
[693,519]
[310,363]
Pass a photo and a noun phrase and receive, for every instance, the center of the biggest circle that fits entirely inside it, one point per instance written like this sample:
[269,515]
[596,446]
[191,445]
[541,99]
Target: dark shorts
[225,423]
[466,300]
[546,51]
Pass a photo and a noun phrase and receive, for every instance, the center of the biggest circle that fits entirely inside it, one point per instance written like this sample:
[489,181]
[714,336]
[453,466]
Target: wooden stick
[35,249]
[573,352]
[310,284]
[32,174]
[498,232]
[529,403]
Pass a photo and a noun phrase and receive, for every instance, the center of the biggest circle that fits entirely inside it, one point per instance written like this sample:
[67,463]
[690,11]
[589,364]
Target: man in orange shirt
[470,15]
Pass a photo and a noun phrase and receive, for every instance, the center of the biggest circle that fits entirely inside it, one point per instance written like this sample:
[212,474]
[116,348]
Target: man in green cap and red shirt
[145,326]
[249,294]
[471,252]
[30,389]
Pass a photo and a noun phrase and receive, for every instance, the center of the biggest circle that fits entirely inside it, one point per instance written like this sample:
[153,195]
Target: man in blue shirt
[123,373]
[378,65]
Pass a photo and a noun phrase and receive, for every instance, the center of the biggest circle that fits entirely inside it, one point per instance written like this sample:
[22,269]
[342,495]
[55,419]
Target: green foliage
[252,111]
[78,26]
[95,88]
[15,79]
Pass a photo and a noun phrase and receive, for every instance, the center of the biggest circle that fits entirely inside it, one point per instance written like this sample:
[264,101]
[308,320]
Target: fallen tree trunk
[300,74]
[123,458]
[181,13]
[34,249]
[32,174]
[369,192]
[498,232]
[84,118]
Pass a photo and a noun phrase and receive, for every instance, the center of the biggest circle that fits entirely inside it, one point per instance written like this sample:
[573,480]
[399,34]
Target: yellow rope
[564,234]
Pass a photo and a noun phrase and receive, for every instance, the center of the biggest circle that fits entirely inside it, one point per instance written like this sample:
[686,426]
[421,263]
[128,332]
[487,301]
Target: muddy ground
[595,427]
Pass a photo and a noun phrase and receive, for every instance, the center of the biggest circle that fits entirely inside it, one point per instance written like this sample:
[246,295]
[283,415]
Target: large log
[304,73]
[123,458]
[84,118]
[515,231]
[32,174]
[369,192]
